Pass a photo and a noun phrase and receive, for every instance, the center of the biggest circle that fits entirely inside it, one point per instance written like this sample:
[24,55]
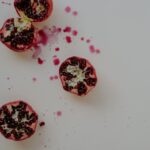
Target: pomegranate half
[35,10]
[77,75]
[18,120]
[17,34]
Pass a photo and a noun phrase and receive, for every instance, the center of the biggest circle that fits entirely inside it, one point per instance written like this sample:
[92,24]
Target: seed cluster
[31,11]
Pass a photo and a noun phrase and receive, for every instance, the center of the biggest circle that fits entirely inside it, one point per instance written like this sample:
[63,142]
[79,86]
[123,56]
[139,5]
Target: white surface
[115,116]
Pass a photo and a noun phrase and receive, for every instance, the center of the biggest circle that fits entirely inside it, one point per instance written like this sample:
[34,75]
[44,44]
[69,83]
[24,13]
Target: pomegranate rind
[23,49]
[34,125]
[74,91]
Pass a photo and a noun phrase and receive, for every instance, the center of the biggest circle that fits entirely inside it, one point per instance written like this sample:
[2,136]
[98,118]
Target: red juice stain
[68,9]
[74,13]
[56,61]
[97,51]
[40,61]
[41,124]
[74,32]
[57,49]
[55,77]
[92,48]
[59,113]
[67,29]
[51,78]
[43,37]
[68,39]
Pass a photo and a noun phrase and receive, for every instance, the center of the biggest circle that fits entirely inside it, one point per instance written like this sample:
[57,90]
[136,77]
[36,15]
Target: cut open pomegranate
[35,10]
[18,120]
[17,34]
[77,75]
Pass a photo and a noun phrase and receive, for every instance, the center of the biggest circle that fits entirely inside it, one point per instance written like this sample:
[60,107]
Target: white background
[114,116]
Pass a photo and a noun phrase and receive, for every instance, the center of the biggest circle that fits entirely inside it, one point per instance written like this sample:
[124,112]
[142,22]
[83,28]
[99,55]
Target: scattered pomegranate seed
[68,9]
[42,124]
[40,61]
[82,38]
[56,61]
[88,41]
[74,32]
[75,13]
[68,39]
[67,29]
[92,49]
[59,113]
[57,49]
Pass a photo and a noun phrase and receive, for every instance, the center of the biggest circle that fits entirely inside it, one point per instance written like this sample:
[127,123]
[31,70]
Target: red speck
[88,41]
[55,77]
[68,9]
[74,32]
[57,49]
[51,77]
[56,61]
[98,51]
[41,124]
[92,49]
[40,61]
[75,13]
[34,79]
[82,38]
[59,113]
[59,29]
[68,39]
[8,78]
[67,29]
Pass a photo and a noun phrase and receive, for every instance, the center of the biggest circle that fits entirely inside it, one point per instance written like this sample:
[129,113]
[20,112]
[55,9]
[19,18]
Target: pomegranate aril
[23,4]
[6,134]
[17,135]
[42,124]
[91,81]
[28,131]
[63,67]
[89,71]
[82,63]
[69,76]
[21,115]
[1,122]
[21,126]
[5,110]
[68,88]
[82,89]
[74,61]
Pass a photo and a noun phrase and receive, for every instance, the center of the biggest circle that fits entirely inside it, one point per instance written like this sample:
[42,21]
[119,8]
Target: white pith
[75,70]
[22,24]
